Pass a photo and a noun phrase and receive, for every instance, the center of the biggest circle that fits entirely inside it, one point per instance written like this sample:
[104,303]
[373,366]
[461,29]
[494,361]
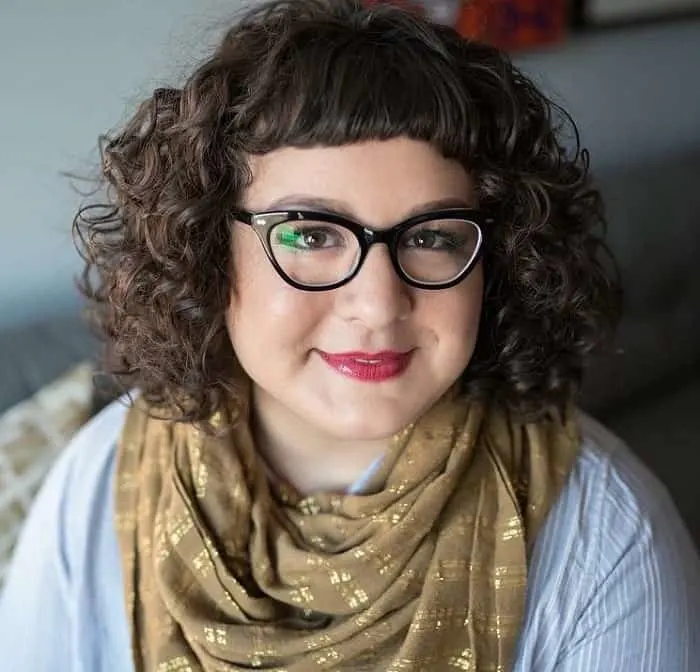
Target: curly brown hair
[330,72]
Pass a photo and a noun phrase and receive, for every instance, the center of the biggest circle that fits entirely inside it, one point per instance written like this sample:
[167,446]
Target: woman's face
[294,344]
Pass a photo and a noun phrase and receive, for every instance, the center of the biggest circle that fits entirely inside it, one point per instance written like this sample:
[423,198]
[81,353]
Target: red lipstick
[372,367]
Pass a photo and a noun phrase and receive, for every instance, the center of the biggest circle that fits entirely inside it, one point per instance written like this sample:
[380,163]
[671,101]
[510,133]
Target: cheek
[264,312]
[455,316]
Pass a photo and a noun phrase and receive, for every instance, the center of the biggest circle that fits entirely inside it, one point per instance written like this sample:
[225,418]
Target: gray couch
[636,96]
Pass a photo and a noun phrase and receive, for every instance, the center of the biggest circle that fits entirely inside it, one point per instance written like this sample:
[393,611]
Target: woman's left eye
[431,239]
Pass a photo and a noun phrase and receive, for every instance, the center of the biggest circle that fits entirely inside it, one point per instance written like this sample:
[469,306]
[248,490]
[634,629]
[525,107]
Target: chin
[371,421]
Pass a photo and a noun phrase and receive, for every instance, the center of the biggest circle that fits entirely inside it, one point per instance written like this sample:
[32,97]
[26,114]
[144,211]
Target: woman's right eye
[308,238]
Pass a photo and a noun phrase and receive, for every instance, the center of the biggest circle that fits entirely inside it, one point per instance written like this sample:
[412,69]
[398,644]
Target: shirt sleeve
[627,597]
[643,613]
[34,606]
[52,612]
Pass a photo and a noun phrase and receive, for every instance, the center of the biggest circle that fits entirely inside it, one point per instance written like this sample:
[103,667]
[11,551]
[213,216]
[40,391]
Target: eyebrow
[334,206]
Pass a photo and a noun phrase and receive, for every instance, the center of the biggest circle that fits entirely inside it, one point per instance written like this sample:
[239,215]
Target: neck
[310,460]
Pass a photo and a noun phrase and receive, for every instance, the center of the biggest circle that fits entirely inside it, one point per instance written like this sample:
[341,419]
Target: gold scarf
[226,571]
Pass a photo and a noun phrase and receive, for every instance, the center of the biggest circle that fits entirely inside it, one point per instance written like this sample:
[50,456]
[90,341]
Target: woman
[354,277]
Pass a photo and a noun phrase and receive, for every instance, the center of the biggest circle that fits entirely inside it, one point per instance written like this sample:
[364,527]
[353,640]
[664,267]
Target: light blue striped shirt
[614,583]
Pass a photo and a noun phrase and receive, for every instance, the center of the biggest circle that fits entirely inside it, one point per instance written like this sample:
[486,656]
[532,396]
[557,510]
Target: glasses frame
[263,223]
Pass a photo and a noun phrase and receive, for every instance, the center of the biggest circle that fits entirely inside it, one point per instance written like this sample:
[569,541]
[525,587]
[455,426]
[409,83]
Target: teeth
[368,361]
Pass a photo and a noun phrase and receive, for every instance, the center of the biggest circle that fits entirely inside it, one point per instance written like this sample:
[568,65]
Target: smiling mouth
[369,367]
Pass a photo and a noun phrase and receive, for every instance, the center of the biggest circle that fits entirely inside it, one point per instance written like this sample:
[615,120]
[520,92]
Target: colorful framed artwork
[509,24]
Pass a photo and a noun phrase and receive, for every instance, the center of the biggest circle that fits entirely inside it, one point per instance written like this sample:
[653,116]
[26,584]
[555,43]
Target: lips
[369,366]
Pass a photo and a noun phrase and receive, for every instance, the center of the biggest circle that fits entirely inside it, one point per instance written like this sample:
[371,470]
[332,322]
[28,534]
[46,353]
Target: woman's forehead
[379,177]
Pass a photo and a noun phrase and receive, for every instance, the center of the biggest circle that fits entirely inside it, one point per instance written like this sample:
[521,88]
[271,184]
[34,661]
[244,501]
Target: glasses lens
[438,251]
[314,253]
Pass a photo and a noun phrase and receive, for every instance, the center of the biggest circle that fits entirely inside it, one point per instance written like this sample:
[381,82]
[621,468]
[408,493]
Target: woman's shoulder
[96,441]
[66,563]
[620,489]
[612,496]
[612,556]
[84,470]
[75,500]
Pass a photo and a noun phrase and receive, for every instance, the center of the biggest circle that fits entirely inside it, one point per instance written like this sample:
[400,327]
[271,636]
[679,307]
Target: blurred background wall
[70,70]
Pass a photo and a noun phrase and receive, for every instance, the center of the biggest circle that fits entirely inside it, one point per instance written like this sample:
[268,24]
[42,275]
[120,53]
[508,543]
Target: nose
[376,296]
